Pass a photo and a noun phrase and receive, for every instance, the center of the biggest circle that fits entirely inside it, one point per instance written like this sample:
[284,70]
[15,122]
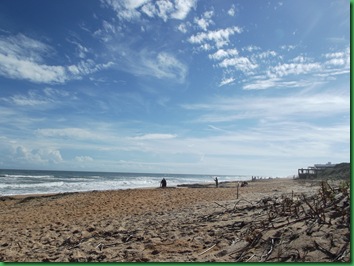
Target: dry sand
[268,222]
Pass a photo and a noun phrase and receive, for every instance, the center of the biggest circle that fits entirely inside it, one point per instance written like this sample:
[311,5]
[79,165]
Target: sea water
[21,182]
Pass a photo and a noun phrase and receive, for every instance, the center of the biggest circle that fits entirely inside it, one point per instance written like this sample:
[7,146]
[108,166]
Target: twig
[207,250]
[243,200]
[250,257]
[325,251]
[220,205]
[340,254]
[295,221]
[249,245]
[100,246]
[270,250]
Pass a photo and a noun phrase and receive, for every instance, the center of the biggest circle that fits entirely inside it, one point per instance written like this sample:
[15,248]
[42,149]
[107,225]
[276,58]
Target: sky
[247,87]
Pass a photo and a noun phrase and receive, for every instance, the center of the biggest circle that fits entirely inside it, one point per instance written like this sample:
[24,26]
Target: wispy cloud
[293,69]
[232,11]
[127,10]
[219,38]
[83,159]
[71,133]
[221,54]
[226,81]
[319,105]
[155,136]
[37,156]
[242,64]
[161,65]
[48,97]
[205,20]
[22,57]
[167,66]
[270,69]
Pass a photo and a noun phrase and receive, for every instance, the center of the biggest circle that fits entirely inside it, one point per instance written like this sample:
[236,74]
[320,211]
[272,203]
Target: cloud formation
[219,37]
[130,10]
[155,136]
[22,57]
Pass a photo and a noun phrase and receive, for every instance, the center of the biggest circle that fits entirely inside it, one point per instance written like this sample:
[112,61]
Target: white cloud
[301,71]
[293,69]
[313,105]
[205,20]
[266,54]
[83,159]
[26,60]
[70,133]
[288,47]
[37,156]
[20,46]
[300,59]
[161,65]
[155,137]
[81,50]
[86,67]
[221,54]
[251,48]
[31,100]
[183,7]
[125,9]
[232,11]
[206,47]
[170,67]
[271,69]
[130,10]
[12,67]
[182,28]
[226,81]
[266,83]
[150,10]
[338,59]
[47,97]
[241,63]
[165,8]
[219,37]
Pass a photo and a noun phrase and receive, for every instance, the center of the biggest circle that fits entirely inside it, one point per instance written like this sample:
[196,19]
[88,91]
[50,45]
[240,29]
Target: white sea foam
[44,182]
[29,176]
[36,185]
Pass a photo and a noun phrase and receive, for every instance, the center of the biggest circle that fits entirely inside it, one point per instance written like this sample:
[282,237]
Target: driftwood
[329,207]
[205,251]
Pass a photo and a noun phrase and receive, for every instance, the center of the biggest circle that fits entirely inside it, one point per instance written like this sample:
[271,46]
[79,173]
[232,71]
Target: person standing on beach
[216,181]
[163,183]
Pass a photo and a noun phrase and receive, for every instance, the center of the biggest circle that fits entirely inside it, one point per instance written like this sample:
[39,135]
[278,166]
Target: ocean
[22,182]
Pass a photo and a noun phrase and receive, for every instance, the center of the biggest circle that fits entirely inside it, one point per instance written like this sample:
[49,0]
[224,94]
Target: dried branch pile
[291,227]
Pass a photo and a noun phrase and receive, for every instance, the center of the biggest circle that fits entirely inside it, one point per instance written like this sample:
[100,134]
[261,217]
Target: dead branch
[205,251]
[325,251]
[221,205]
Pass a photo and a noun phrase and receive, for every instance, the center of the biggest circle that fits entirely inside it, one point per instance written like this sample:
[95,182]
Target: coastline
[149,224]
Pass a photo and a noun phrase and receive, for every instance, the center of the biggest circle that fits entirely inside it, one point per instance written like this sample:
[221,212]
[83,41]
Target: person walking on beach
[163,183]
[216,181]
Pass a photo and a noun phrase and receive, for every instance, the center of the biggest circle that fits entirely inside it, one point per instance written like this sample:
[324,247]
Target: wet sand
[183,224]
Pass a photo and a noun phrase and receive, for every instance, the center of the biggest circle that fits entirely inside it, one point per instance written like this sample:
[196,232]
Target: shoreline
[187,185]
[158,225]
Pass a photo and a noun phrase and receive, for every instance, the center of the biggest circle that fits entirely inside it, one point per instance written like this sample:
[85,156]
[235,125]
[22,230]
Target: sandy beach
[272,220]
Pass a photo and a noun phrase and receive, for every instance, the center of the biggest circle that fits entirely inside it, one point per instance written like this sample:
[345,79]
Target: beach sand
[268,222]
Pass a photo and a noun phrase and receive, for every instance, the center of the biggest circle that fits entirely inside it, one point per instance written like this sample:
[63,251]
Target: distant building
[313,171]
[327,165]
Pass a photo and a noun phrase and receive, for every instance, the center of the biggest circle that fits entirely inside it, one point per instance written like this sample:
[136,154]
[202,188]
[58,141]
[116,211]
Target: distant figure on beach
[244,183]
[216,181]
[163,183]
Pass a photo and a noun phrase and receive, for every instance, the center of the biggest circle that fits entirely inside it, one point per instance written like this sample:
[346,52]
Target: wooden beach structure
[313,171]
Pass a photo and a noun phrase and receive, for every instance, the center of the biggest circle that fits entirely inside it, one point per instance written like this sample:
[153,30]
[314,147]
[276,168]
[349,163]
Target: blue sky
[174,86]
